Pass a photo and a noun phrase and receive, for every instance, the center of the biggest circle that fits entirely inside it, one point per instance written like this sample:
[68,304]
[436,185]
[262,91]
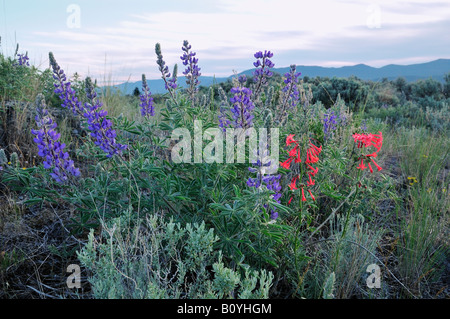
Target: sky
[114,41]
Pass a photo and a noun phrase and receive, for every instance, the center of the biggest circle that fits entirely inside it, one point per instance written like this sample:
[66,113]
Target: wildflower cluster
[146,98]
[367,140]
[242,105]
[412,180]
[312,154]
[192,72]
[101,127]
[50,148]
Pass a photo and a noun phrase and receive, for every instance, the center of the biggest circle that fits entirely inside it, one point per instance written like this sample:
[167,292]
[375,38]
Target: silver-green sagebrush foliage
[151,258]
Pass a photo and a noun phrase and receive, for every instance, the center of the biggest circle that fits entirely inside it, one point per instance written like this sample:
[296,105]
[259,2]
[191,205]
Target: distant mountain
[157,86]
[434,69]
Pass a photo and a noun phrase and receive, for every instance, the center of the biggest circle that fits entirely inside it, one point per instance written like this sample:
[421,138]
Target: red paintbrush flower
[298,159]
[312,156]
[311,195]
[287,163]
[313,171]
[293,152]
[367,140]
[316,149]
[290,139]
[292,185]
[378,167]
[361,165]
[303,195]
[311,182]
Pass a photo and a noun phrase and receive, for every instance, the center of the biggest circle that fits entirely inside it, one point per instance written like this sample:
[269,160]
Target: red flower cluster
[367,140]
[312,154]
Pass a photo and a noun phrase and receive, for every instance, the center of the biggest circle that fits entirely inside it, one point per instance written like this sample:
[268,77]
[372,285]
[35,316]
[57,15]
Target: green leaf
[281,207]
[33,201]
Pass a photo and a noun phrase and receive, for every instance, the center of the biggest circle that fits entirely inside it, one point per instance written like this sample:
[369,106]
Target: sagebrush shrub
[151,258]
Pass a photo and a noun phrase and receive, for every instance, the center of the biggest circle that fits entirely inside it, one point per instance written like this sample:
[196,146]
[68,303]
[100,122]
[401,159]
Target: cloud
[226,34]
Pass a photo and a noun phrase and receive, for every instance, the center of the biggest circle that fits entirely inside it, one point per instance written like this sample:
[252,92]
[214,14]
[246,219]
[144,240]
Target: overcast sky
[115,40]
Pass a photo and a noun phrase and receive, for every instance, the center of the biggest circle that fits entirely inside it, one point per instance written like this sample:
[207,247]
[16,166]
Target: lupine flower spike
[242,105]
[271,182]
[329,123]
[263,65]
[291,89]
[50,148]
[63,88]
[146,98]
[192,72]
[101,127]
[23,59]
[170,83]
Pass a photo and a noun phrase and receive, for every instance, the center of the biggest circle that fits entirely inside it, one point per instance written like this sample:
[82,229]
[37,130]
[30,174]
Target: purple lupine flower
[224,122]
[271,182]
[101,127]
[50,148]
[255,181]
[263,65]
[23,59]
[146,99]
[192,72]
[242,79]
[242,105]
[291,86]
[343,119]
[364,125]
[170,83]
[329,123]
[63,88]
